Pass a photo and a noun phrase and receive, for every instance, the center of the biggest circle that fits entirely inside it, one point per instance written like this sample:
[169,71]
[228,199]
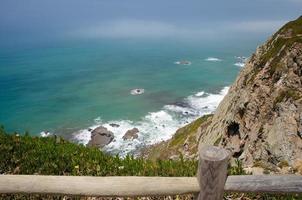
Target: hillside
[184,142]
[260,119]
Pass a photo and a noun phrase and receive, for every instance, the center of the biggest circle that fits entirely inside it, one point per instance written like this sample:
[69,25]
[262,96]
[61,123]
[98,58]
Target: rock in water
[131,134]
[100,137]
[137,91]
[114,125]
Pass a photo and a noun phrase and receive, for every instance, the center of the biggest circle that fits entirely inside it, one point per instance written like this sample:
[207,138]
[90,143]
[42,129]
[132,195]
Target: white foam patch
[199,94]
[155,126]
[239,64]
[45,134]
[183,62]
[241,61]
[208,103]
[213,59]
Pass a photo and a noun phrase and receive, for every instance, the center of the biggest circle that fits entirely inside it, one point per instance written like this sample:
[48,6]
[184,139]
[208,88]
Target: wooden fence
[210,184]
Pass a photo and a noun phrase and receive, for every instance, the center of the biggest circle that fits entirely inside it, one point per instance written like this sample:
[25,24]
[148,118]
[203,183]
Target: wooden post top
[213,153]
[212,172]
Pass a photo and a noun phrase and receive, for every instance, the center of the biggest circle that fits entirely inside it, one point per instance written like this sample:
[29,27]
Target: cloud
[129,28]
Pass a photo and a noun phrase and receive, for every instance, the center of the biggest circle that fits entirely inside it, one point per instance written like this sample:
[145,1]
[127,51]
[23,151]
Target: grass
[175,146]
[279,45]
[48,156]
[182,134]
[287,94]
[277,48]
[24,154]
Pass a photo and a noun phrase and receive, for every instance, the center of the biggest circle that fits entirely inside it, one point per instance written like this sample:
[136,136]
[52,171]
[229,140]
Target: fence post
[212,172]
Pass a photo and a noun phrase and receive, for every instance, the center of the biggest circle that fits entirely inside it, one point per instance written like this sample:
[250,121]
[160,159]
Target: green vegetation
[175,146]
[50,156]
[217,141]
[266,167]
[291,33]
[237,169]
[277,46]
[24,154]
[287,94]
[189,130]
[283,163]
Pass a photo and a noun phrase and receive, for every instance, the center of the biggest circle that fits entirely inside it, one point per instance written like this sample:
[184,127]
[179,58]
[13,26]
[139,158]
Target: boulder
[131,134]
[100,137]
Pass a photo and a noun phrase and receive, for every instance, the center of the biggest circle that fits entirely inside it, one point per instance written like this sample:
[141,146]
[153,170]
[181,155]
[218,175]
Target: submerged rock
[114,125]
[183,62]
[131,134]
[137,91]
[100,137]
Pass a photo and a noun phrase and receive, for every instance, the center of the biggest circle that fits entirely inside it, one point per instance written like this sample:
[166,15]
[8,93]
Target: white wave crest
[156,126]
[213,59]
[241,61]
[183,62]
[239,64]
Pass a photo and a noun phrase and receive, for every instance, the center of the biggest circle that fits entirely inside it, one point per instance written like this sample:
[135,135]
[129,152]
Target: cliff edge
[260,119]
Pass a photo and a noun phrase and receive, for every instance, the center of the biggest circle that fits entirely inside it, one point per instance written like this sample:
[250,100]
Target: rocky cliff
[260,119]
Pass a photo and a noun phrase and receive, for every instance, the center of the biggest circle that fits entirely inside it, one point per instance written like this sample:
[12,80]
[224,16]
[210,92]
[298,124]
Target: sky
[31,20]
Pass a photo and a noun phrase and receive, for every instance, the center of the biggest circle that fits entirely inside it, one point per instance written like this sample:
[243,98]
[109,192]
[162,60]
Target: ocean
[64,88]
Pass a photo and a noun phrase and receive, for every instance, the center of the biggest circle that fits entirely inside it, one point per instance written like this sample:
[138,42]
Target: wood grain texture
[265,184]
[141,186]
[212,172]
[98,186]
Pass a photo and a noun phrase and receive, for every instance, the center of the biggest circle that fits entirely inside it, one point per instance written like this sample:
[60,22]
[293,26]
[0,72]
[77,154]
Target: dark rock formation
[131,134]
[114,125]
[100,137]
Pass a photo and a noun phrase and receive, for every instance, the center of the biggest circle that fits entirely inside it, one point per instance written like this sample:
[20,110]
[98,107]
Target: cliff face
[184,142]
[260,119]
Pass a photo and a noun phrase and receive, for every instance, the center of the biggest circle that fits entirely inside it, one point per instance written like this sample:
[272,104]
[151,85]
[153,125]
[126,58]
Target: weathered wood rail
[211,182]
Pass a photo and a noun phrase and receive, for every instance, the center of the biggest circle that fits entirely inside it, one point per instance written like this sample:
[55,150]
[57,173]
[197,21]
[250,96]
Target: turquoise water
[63,88]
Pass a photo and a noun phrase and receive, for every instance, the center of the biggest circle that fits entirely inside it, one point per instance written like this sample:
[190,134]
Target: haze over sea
[66,66]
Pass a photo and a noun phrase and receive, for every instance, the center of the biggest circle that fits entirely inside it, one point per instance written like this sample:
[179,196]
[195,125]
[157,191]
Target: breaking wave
[241,60]
[213,59]
[157,126]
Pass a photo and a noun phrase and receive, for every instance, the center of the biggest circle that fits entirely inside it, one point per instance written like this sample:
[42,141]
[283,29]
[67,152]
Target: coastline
[154,127]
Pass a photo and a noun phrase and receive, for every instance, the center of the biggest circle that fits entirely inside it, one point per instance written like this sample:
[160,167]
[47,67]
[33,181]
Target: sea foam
[157,126]
[213,59]
[241,61]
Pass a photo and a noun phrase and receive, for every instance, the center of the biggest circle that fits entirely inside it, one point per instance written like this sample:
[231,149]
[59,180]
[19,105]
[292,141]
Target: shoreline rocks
[131,134]
[114,125]
[100,137]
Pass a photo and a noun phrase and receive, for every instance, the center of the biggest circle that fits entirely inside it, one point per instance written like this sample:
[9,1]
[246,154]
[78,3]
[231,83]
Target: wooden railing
[210,184]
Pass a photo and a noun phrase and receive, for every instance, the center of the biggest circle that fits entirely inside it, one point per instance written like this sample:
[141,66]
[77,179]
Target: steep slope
[260,119]
[183,143]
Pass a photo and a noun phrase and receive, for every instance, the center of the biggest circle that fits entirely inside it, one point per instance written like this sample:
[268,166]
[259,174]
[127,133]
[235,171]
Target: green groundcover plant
[25,154]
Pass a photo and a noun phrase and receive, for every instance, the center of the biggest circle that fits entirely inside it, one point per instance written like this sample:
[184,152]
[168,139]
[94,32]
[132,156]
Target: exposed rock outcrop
[260,119]
[100,137]
[183,143]
[131,134]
